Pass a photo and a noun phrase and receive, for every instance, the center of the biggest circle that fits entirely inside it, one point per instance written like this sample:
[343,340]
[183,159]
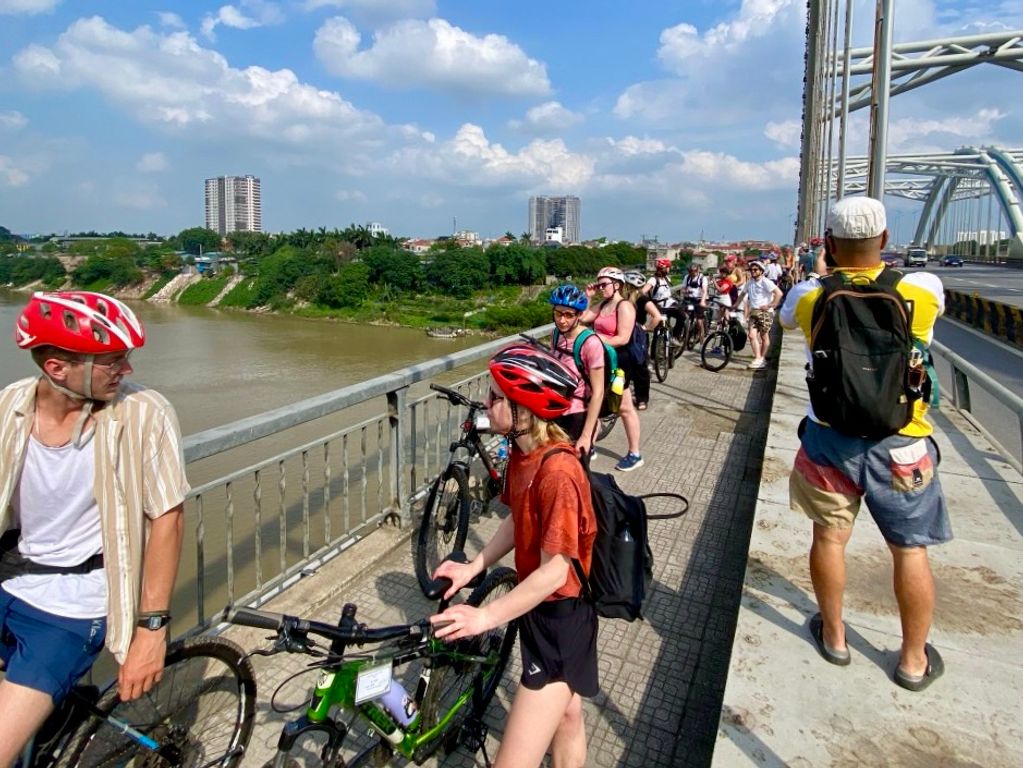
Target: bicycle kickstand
[474,736]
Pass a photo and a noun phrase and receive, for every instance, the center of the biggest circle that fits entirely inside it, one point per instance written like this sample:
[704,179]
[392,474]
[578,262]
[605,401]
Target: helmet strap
[76,435]
[514,433]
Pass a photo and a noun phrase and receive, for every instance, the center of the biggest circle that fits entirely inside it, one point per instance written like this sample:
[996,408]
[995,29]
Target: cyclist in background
[613,319]
[551,525]
[92,485]
[648,317]
[580,420]
[694,289]
[658,288]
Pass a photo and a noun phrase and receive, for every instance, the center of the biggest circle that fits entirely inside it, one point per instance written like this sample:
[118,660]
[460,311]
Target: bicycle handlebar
[250,617]
[456,398]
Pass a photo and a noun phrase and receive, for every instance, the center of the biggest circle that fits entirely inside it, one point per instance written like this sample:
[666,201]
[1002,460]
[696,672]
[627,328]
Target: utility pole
[880,93]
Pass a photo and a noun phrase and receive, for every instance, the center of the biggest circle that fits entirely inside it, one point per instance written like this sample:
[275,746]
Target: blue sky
[672,119]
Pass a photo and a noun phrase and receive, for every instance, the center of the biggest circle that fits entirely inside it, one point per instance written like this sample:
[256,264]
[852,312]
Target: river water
[217,366]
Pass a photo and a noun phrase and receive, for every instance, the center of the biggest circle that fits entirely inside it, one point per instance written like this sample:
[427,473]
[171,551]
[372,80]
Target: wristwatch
[154,620]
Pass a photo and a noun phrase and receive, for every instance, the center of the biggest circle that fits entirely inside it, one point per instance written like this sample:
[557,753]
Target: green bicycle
[456,682]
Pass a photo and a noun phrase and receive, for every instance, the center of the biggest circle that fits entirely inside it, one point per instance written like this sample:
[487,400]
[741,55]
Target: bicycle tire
[201,712]
[660,354]
[451,681]
[605,425]
[716,360]
[445,523]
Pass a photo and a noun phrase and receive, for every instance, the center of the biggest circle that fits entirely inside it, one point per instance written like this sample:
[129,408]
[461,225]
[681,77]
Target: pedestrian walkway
[662,679]
[785,706]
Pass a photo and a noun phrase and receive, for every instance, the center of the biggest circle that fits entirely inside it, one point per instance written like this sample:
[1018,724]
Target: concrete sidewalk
[785,706]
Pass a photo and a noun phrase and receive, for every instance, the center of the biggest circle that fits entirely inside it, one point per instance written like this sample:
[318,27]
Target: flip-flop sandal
[641,407]
[935,669]
[838,658]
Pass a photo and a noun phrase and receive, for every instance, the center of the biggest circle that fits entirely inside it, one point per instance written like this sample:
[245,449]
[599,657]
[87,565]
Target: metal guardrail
[992,407]
[257,529]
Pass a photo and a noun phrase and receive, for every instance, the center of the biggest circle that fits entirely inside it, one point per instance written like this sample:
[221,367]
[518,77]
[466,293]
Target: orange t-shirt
[552,512]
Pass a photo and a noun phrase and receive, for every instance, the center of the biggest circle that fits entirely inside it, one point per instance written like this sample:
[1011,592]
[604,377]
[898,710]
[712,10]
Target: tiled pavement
[662,679]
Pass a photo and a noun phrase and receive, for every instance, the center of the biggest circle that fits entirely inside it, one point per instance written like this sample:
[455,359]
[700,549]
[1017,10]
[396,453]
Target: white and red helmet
[612,273]
[79,321]
[537,381]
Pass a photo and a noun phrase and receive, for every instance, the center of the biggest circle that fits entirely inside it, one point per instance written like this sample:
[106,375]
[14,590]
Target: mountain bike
[200,714]
[660,350]
[717,346]
[455,684]
[445,522]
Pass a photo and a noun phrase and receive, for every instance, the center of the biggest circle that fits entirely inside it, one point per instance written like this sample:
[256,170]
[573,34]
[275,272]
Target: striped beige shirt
[140,475]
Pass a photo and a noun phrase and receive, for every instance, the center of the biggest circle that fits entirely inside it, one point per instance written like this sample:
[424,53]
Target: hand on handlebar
[460,621]
[460,574]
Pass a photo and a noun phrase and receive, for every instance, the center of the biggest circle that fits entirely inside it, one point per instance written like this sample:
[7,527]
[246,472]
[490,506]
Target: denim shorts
[896,476]
[45,652]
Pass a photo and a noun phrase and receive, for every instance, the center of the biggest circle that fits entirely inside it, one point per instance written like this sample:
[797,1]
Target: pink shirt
[592,354]
[606,325]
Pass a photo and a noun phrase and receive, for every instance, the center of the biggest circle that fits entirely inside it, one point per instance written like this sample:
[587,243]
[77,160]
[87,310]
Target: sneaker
[630,462]
[757,363]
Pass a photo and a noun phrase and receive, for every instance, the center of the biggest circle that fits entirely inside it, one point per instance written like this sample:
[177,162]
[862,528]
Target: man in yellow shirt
[896,475]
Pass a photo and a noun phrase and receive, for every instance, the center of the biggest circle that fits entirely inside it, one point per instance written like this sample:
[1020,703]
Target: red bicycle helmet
[663,264]
[534,379]
[78,321]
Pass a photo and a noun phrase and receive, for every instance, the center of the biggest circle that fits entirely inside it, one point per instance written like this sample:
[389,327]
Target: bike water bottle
[502,449]
[614,397]
[399,704]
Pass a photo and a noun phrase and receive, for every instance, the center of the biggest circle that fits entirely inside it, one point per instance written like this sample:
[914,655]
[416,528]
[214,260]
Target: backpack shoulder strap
[889,277]
[577,348]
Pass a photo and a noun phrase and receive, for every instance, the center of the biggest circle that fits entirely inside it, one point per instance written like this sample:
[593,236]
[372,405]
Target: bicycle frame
[471,439]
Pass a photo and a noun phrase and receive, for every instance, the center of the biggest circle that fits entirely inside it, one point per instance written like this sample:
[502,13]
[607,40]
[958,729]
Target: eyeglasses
[605,284]
[493,397]
[560,314]
[112,367]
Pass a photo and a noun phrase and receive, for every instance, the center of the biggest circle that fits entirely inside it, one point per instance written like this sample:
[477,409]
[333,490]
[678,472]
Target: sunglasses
[560,314]
[493,397]
[605,284]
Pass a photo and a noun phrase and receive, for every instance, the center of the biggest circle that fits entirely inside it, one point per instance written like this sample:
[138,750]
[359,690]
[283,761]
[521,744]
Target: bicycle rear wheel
[451,681]
[201,713]
[445,522]
[605,425]
[660,353]
[716,351]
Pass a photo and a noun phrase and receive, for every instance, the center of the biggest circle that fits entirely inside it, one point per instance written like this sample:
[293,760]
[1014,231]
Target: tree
[348,288]
[392,267]
[459,272]
[198,239]
[249,244]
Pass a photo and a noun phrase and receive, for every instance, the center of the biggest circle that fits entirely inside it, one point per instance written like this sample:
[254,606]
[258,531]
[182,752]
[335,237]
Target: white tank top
[55,507]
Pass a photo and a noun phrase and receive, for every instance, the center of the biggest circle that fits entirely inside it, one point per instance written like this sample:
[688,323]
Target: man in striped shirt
[92,487]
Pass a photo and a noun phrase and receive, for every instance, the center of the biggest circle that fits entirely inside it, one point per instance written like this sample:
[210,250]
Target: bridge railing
[255,530]
[992,407]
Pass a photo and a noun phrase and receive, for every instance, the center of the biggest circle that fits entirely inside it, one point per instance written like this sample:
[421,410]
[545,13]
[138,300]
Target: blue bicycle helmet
[569,296]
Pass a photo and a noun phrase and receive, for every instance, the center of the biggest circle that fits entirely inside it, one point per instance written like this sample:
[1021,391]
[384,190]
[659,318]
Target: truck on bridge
[916,256]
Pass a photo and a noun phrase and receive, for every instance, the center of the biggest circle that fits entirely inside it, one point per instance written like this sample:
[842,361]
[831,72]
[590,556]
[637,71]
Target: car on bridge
[952,261]
[892,260]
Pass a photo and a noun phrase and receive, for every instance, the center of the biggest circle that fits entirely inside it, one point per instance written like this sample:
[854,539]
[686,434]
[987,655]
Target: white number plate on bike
[372,682]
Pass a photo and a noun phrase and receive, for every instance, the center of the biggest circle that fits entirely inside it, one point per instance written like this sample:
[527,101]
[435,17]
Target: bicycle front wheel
[605,425]
[455,680]
[660,354]
[201,713]
[716,351]
[445,522]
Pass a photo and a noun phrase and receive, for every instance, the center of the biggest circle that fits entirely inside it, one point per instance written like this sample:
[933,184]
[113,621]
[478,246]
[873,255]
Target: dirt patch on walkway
[970,600]
[708,421]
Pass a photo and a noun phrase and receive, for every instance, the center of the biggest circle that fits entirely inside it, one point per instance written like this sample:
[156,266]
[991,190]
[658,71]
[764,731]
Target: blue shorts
[45,652]
[896,476]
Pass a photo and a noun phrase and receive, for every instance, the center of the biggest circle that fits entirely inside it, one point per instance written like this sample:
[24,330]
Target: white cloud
[10,173]
[470,159]
[30,7]
[261,13]
[350,195]
[724,170]
[172,20]
[375,13]
[12,120]
[787,134]
[152,162]
[138,195]
[433,54]
[549,117]
[172,81]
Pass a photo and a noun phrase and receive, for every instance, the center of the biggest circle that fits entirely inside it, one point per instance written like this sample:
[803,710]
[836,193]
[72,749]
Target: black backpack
[622,564]
[861,345]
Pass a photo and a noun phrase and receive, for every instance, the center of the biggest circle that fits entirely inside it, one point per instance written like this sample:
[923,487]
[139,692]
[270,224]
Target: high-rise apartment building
[233,204]
[552,212]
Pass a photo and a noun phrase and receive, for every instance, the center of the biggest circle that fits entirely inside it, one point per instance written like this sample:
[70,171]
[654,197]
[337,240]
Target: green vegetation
[22,270]
[156,287]
[241,295]
[203,292]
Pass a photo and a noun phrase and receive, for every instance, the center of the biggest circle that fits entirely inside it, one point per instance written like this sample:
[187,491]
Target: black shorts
[559,645]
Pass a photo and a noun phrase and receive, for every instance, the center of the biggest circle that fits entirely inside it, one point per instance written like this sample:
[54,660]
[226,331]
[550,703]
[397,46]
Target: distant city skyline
[233,204]
[667,119]
[555,212]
